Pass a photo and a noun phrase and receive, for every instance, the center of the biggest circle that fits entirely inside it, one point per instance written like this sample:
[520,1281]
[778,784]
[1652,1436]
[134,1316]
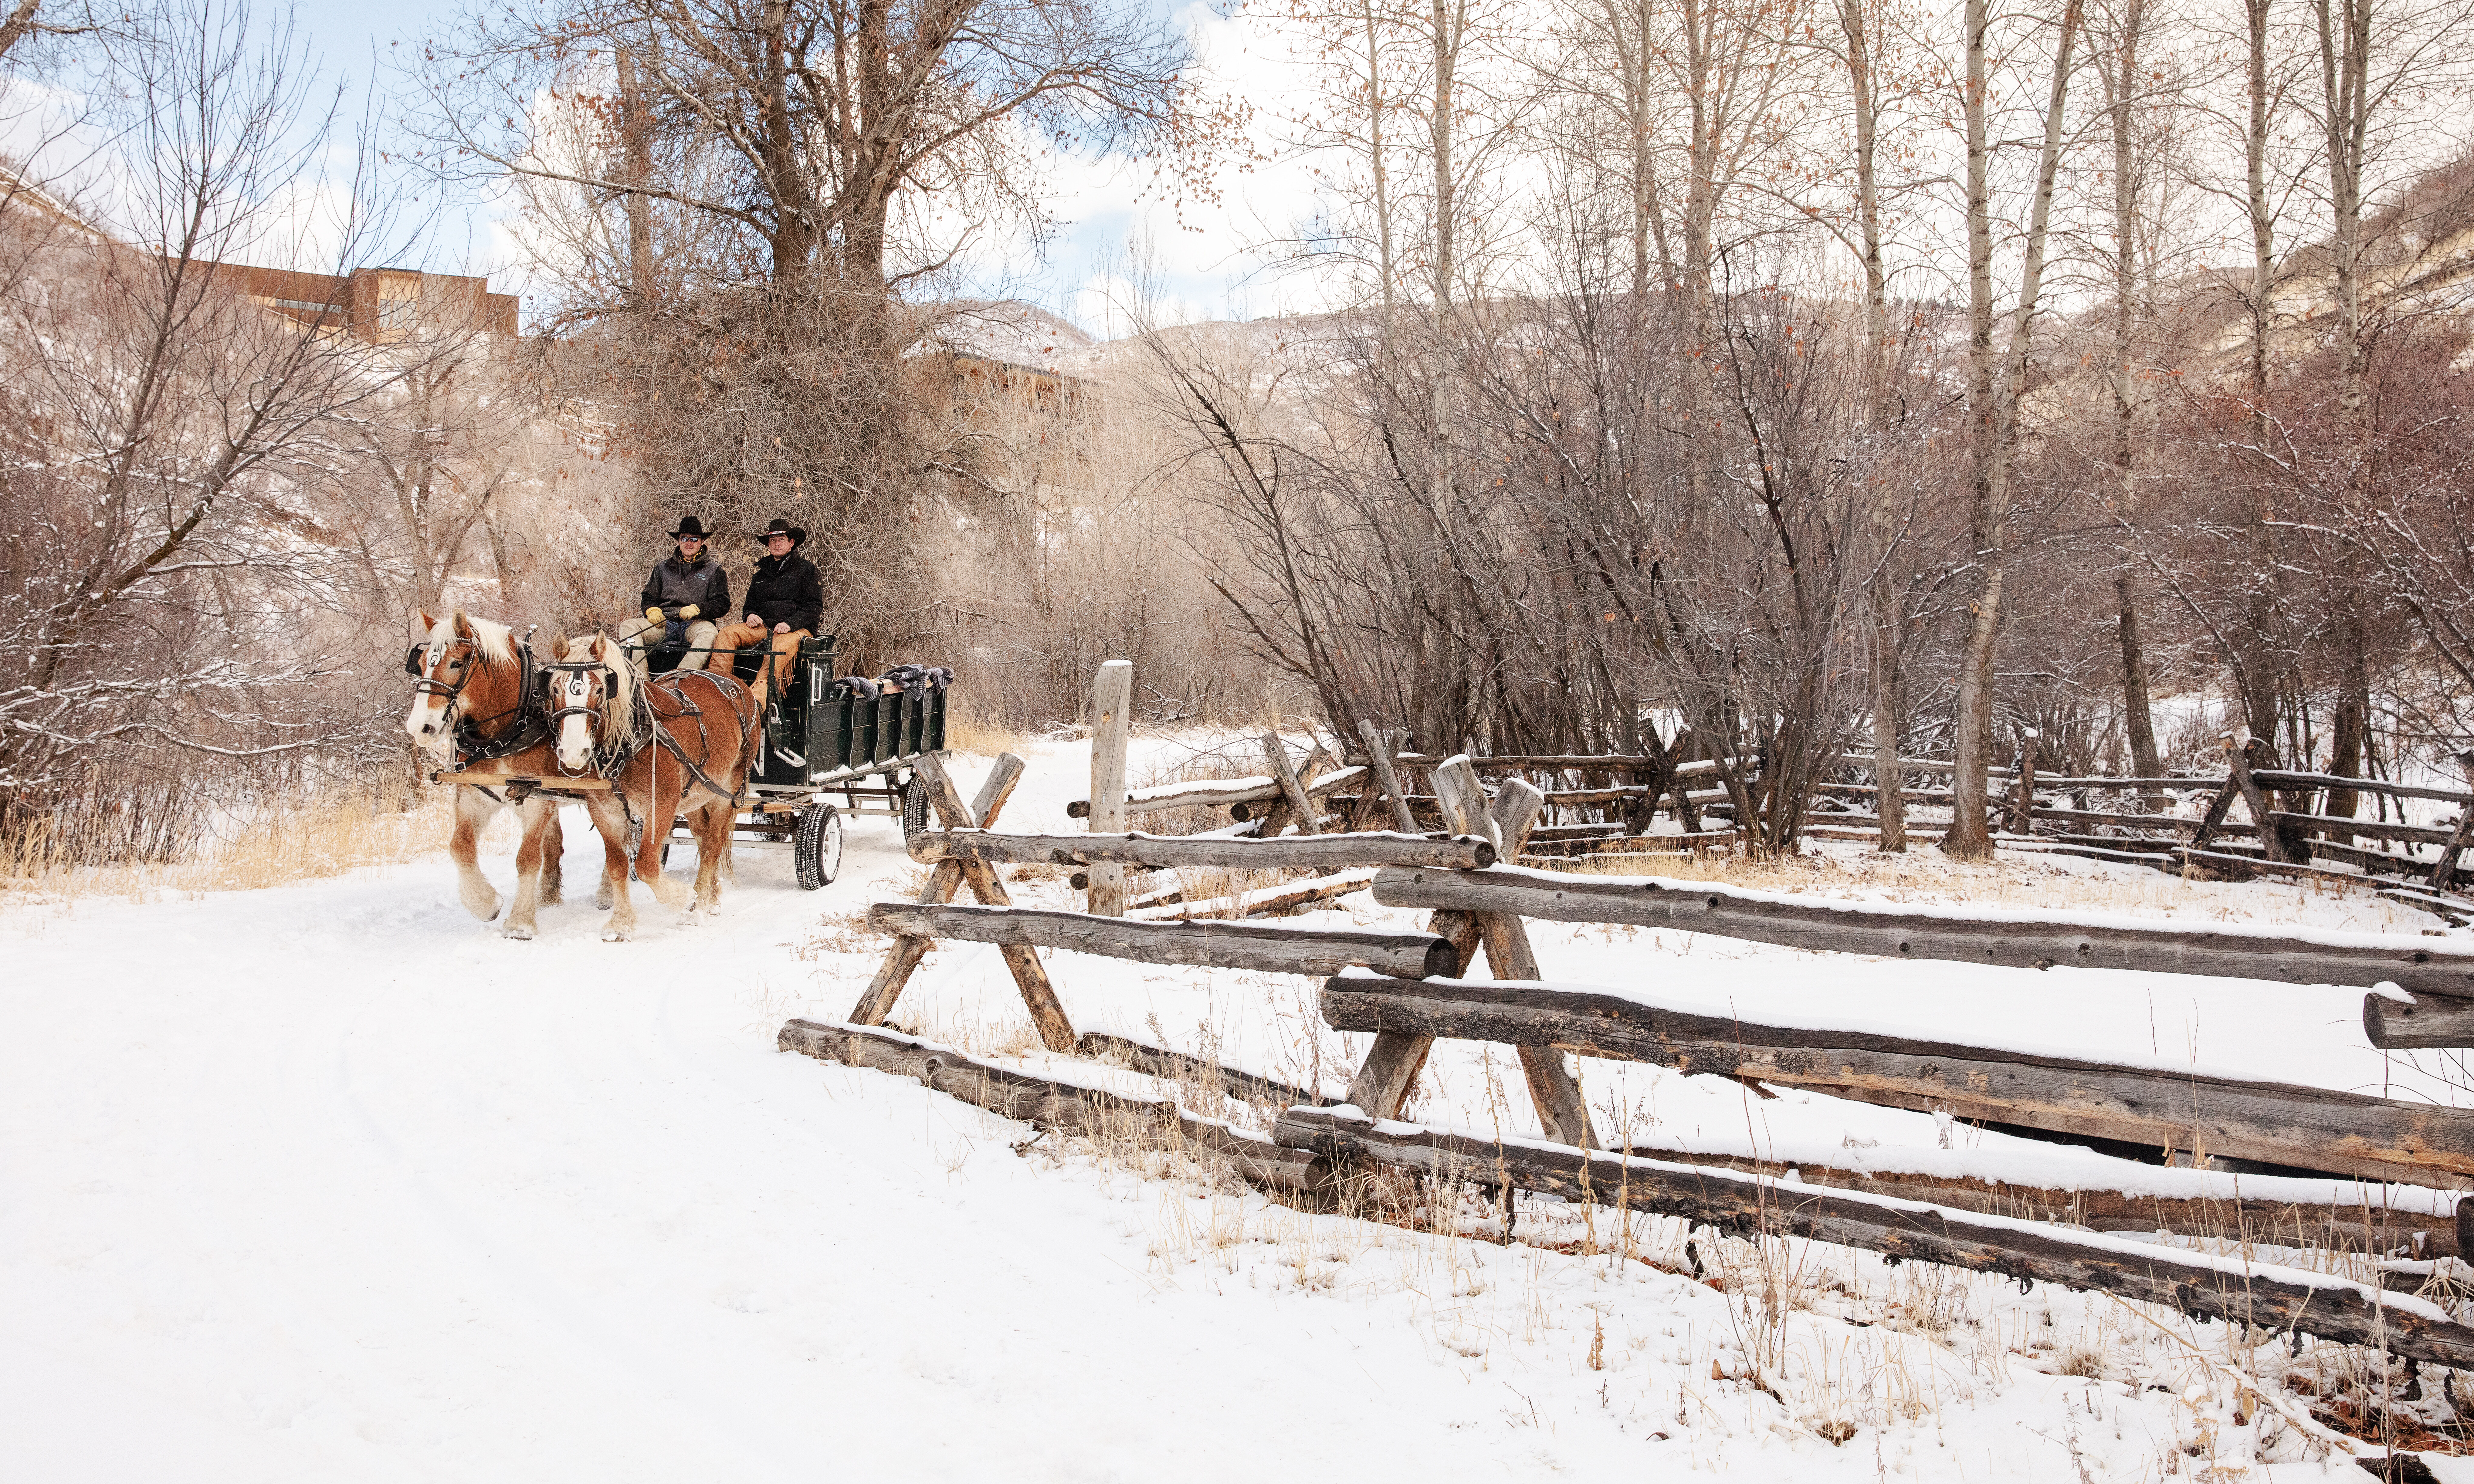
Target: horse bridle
[608,761]
[466,731]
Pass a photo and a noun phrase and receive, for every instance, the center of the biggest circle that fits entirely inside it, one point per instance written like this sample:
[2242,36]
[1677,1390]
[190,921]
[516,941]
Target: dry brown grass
[300,843]
[968,730]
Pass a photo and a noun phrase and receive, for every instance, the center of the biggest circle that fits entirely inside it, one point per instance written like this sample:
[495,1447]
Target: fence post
[2444,872]
[2024,813]
[1112,693]
[2271,835]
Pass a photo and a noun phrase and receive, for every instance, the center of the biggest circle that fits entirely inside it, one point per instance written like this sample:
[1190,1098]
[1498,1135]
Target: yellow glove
[653,614]
[688,611]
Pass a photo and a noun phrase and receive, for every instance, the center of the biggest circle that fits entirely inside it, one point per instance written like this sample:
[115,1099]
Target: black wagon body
[826,750]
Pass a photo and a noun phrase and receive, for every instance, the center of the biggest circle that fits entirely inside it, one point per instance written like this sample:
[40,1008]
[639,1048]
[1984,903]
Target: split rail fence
[1409,989]
[2287,820]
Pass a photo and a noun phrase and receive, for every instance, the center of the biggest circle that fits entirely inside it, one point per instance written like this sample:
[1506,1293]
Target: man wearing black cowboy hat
[784,595]
[687,594]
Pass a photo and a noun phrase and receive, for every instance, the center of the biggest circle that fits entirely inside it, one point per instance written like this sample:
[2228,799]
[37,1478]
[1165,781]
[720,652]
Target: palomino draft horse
[475,703]
[678,745]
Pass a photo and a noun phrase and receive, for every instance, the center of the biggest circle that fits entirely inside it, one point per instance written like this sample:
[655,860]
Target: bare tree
[163,576]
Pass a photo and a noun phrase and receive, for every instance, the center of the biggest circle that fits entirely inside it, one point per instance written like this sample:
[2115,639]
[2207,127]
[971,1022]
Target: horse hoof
[612,935]
[605,900]
[522,933]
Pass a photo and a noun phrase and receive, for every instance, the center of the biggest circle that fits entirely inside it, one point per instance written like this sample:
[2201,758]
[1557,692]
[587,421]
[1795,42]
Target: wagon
[826,752]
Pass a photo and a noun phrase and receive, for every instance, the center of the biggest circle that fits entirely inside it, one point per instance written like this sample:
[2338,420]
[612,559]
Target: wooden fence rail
[1211,945]
[2025,940]
[2159,1107]
[1400,986]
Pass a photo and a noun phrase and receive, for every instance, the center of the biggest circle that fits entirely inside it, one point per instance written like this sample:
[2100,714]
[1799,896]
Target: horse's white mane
[495,641]
[618,717]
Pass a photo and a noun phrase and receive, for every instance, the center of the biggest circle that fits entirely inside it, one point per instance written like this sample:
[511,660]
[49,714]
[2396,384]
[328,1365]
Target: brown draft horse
[678,745]
[470,709]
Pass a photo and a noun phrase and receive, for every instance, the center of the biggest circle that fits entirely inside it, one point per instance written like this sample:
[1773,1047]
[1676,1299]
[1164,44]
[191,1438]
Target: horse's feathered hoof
[612,935]
[520,933]
[605,898]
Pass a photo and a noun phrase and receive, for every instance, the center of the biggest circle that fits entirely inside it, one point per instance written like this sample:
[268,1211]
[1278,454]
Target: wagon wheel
[914,807]
[819,848]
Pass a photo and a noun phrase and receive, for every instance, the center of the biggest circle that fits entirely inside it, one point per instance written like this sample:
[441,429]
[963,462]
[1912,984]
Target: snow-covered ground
[329,1181]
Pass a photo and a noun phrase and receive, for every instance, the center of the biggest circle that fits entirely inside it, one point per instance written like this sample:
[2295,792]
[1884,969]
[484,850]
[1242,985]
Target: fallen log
[1171,908]
[2198,1284]
[1260,945]
[2279,1124]
[2026,939]
[1218,793]
[1046,1103]
[1312,852]
[1590,846]
[2132,821]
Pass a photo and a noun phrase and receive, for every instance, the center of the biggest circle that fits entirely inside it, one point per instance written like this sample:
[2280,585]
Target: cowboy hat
[780,527]
[689,525]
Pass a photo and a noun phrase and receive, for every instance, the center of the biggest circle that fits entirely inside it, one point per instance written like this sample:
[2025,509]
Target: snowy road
[330,1181]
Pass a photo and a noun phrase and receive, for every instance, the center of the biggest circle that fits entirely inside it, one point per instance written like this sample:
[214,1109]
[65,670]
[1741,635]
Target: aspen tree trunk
[1993,403]
[635,169]
[2122,83]
[1446,19]
[1380,167]
[1881,407]
[1887,776]
[2344,66]
[2254,665]
[1868,202]
[1628,24]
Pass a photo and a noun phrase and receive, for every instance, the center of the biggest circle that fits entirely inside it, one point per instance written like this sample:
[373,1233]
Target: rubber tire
[914,808]
[818,847]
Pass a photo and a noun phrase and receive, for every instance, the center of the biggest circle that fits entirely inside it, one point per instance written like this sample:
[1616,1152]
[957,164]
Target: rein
[730,686]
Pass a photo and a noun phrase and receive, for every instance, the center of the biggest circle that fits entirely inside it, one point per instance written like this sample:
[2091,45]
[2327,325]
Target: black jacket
[674,585]
[787,590]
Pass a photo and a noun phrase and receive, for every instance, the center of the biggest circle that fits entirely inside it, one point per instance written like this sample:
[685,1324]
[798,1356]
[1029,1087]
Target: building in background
[379,304]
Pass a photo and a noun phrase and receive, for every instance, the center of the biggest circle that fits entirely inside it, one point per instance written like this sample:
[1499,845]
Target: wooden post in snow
[1378,757]
[1275,756]
[2022,812]
[1112,694]
[1392,1066]
[2271,835]
[2444,872]
[877,1003]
